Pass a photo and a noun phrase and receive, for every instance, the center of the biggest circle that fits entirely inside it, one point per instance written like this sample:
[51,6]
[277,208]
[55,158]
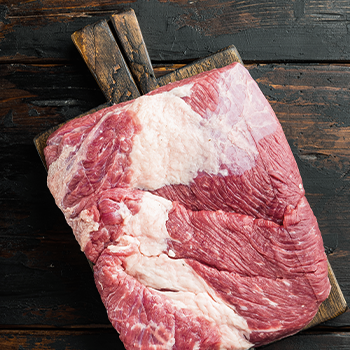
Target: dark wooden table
[299,53]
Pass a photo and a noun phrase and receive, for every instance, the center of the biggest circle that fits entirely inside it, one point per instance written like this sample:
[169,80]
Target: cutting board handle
[130,38]
[117,57]
[100,51]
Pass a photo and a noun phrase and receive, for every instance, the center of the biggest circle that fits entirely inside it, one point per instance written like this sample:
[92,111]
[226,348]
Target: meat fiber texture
[189,202]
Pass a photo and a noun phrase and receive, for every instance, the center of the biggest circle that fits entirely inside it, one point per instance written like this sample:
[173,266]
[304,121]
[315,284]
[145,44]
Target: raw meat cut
[190,204]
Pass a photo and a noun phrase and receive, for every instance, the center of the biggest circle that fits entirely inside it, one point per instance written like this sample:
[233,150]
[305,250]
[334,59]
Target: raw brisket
[190,204]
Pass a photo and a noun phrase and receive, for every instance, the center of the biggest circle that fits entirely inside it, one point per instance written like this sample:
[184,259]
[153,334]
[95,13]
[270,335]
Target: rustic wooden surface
[128,37]
[297,51]
[102,55]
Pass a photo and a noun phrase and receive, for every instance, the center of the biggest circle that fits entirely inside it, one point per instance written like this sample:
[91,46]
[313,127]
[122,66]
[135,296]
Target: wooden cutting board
[115,52]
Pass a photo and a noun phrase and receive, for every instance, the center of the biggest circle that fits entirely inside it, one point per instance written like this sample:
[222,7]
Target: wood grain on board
[219,59]
[102,55]
[135,51]
[333,306]
[108,339]
[138,65]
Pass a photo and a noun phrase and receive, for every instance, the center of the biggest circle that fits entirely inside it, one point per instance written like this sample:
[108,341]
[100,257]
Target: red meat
[190,203]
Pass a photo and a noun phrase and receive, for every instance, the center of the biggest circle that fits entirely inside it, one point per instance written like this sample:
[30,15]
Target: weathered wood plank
[333,306]
[34,98]
[85,339]
[102,55]
[261,31]
[220,59]
[135,52]
[341,322]
[44,277]
[309,341]
[79,8]
[46,282]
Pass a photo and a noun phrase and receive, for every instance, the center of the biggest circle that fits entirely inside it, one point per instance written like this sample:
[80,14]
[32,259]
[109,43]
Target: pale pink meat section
[190,203]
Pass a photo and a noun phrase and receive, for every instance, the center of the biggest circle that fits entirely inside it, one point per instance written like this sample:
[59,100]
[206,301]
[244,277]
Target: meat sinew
[190,204]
